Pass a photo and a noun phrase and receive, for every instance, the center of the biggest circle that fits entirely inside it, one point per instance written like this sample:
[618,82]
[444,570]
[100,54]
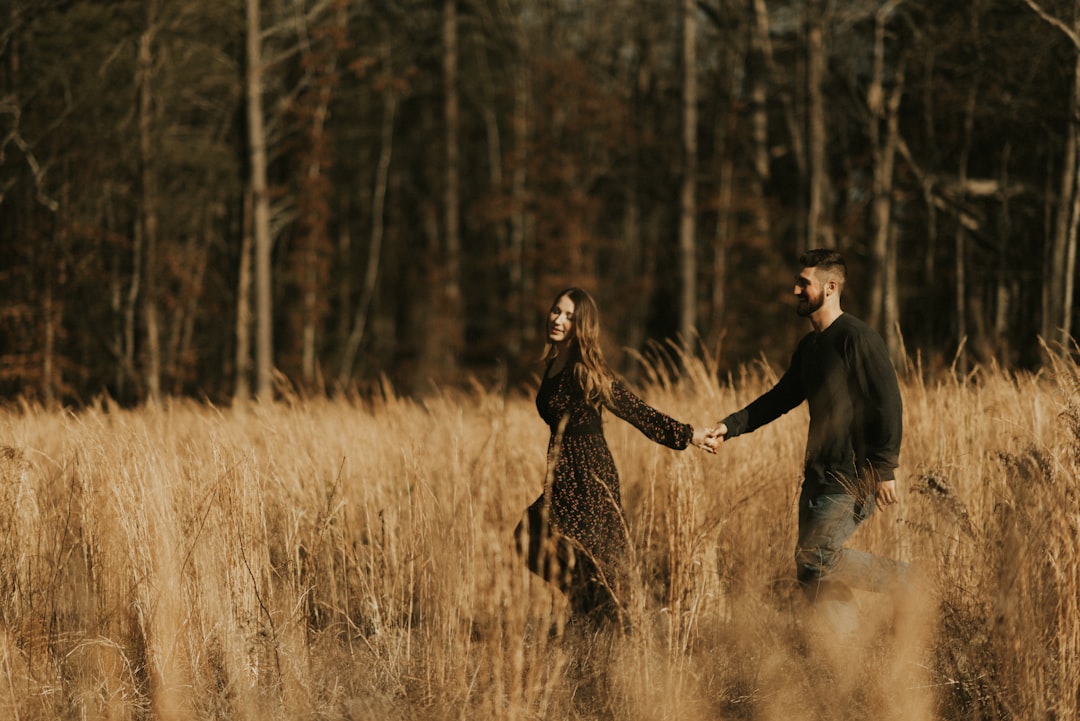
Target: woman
[574,535]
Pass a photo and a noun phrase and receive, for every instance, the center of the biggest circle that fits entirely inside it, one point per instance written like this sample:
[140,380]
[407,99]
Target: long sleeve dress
[582,495]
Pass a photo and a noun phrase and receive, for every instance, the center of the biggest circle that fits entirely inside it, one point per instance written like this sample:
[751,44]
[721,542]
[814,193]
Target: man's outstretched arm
[778,400]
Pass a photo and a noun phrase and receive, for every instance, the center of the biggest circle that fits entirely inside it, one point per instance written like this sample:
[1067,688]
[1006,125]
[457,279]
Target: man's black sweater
[856,423]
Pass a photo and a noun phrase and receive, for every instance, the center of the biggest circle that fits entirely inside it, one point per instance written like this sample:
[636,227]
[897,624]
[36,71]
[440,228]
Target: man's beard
[810,307]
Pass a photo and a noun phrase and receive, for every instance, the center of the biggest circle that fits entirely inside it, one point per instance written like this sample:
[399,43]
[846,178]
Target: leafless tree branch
[1051,20]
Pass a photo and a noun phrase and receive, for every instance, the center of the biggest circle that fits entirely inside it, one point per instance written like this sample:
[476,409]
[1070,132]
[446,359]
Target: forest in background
[229,198]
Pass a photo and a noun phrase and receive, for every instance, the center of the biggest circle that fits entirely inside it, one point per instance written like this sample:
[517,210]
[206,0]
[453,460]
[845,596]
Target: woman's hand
[705,439]
[718,434]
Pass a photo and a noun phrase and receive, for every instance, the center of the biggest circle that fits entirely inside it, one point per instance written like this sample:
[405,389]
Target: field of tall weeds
[353,559]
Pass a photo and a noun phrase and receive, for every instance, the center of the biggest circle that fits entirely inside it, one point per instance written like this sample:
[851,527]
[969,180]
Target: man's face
[809,292]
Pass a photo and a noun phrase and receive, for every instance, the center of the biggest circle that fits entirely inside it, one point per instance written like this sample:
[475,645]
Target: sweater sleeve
[655,425]
[781,398]
[881,407]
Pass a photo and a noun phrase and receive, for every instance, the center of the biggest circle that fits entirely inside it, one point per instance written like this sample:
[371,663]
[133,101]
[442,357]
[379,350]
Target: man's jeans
[826,570]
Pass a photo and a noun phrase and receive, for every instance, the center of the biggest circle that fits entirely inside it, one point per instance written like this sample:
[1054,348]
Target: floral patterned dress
[582,496]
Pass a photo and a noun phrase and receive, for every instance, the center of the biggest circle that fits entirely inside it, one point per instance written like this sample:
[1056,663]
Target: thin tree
[759,65]
[443,328]
[451,297]
[960,240]
[1060,260]
[149,204]
[520,281]
[884,304]
[260,201]
[378,210]
[242,388]
[637,251]
[320,56]
[819,231]
[688,189]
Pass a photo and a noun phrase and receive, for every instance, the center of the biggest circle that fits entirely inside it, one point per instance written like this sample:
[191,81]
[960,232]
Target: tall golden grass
[352,559]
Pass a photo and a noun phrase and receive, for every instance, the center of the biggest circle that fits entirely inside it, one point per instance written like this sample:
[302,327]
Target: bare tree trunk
[1003,289]
[131,304]
[884,311]
[819,231]
[1069,268]
[443,339]
[960,241]
[630,261]
[511,341]
[1059,263]
[264,340]
[960,308]
[635,254]
[881,204]
[242,393]
[344,287]
[687,200]
[893,338]
[759,61]
[149,207]
[48,356]
[320,55]
[721,241]
[117,281]
[378,204]
[520,287]
[794,118]
[182,331]
[651,229]
[316,250]
[1070,196]
[759,67]
[750,60]
[1054,281]
[452,300]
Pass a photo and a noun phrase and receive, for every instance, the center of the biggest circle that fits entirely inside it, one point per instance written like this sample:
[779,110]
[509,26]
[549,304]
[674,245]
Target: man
[842,370]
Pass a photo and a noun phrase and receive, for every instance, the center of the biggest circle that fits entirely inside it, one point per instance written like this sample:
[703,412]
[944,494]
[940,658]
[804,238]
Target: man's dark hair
[826,259]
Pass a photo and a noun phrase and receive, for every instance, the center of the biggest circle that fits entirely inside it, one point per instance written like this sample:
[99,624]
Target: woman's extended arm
[657,426]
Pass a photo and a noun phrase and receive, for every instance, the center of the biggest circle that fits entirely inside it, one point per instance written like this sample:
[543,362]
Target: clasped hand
[709,439]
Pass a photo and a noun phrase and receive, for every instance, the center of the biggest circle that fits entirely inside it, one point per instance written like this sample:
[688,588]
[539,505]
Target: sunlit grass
[351,559]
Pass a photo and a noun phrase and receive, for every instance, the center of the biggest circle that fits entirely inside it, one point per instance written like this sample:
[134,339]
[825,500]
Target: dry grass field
[317,559]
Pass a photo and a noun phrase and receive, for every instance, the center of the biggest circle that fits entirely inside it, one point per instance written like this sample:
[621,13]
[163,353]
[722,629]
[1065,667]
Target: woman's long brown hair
[591,371]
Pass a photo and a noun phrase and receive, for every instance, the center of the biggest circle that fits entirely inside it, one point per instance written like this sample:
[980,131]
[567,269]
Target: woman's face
[561,321]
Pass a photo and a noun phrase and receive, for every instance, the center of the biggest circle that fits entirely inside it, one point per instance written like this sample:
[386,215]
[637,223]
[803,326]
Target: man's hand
[886,494]
[704,440]
[719,433]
